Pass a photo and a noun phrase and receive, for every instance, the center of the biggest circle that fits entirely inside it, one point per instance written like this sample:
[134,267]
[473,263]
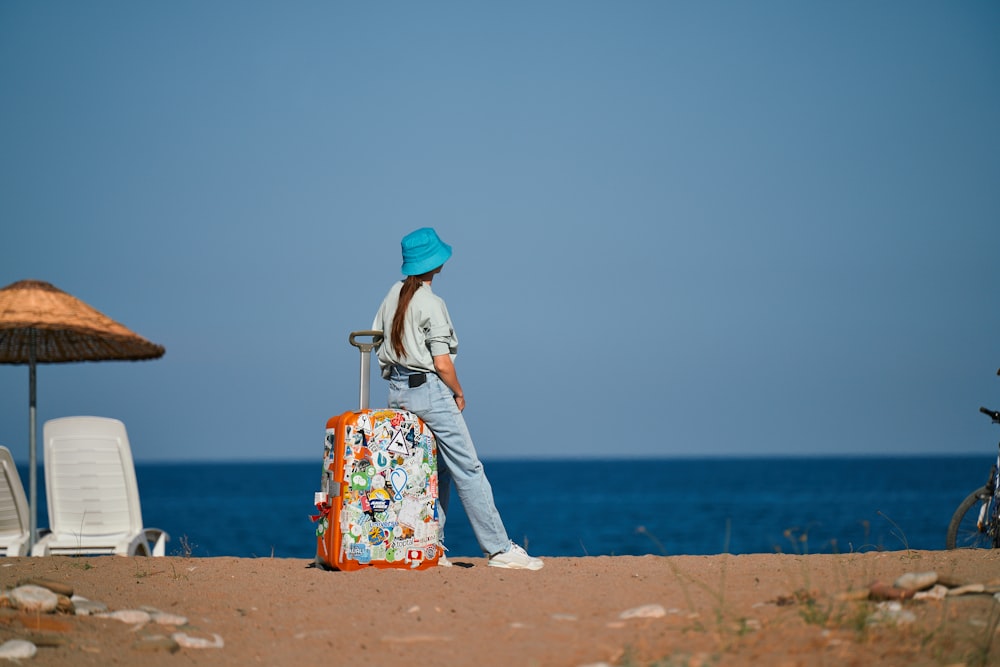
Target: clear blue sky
[680,228]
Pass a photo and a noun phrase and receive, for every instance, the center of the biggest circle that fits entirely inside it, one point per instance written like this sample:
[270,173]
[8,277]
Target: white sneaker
[443,558]
[515,558]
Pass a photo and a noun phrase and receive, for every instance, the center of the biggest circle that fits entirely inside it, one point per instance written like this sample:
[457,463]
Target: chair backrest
[90,478]
[14,517]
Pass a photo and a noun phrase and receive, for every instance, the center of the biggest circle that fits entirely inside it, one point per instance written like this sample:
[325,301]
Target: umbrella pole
[32,454]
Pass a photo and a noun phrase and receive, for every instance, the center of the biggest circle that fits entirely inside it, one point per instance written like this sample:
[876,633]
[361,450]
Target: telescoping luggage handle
[366,364]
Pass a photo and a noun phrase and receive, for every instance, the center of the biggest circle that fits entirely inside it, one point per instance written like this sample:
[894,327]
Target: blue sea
[594,508]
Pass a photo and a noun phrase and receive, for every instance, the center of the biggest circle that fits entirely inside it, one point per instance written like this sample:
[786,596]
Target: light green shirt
[427,331]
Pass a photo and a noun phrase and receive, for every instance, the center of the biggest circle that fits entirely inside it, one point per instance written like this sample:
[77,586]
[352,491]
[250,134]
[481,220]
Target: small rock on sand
[34,599]
[17,649]
[916,581]
[130,616]
[85,607]
[57,587]
[187,641]
[163,617]
[645,611]
[967,588]
[936,592]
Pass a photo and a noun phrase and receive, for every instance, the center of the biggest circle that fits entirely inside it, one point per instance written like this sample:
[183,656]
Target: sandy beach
[768,609]
[681,610]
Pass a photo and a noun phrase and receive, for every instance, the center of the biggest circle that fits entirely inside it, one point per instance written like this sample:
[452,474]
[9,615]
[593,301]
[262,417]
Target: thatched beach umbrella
[41,324]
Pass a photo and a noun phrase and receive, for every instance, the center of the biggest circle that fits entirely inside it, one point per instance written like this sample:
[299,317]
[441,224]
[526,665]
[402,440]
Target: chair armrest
[159,538]
[41,547]
[140,544]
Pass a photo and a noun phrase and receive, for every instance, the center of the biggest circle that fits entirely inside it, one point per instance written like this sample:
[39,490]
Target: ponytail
[410,287]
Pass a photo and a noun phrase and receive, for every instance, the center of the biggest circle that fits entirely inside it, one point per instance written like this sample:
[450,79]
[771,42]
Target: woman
[416,357]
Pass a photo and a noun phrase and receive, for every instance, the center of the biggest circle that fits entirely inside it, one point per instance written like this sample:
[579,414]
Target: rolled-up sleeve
[439,335]
[439,340]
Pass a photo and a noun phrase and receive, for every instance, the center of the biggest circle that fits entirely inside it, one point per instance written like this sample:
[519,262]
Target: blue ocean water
[591,508]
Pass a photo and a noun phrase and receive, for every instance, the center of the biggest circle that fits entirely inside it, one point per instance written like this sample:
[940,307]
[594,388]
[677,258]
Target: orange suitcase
[378,495]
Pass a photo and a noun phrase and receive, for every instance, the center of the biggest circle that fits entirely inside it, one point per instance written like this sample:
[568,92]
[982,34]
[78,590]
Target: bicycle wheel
[963,531]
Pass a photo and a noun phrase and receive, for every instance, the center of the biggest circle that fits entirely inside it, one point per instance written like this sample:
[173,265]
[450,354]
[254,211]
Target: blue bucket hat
[423,251]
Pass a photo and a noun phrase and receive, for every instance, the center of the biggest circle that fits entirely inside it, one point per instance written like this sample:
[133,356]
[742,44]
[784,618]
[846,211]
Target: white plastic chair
[15,534]
[93,496]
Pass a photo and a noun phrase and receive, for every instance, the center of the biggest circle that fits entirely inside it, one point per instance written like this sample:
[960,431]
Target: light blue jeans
[457,459]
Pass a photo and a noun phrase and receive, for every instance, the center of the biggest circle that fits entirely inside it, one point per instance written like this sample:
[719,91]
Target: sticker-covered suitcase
[377,502]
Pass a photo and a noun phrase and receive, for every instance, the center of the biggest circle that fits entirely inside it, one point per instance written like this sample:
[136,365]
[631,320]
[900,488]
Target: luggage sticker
[398,443]
[359,552]
[398,479]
